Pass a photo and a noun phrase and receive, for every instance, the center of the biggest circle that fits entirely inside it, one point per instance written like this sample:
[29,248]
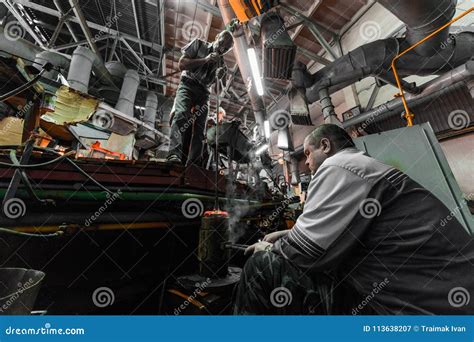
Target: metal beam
[308,14]
[313,56]
[124,41]
[372,98]
[112,49]
[296,13]
[81,42]
[206,6]
[85,28]
[63,15]
[137,28]
[321,40]
[56,32]
[92,25]
[10,5]
[161,4]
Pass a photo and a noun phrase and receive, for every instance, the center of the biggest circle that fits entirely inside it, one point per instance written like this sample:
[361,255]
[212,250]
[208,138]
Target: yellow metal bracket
[409,115]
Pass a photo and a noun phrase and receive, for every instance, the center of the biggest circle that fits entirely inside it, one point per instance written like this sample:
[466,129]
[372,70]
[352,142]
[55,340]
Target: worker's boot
[173,158]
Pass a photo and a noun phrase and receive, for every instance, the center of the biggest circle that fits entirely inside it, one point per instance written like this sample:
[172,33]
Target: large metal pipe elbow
[422,17]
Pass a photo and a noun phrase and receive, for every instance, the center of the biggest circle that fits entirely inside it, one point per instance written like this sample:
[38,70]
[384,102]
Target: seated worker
[199,64]
[366,226]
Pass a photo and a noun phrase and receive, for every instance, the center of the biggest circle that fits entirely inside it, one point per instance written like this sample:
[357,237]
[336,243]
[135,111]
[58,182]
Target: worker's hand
[212,57]
[257,247]
[272,237]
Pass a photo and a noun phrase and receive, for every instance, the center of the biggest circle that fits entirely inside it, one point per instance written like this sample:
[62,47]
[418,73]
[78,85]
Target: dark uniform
[369,228]
[191,104]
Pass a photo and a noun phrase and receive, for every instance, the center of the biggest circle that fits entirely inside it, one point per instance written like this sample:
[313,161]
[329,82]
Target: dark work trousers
[187,128]
[271,285]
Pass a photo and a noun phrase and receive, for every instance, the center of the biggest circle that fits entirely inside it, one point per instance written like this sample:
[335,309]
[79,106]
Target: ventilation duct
[145,138]
[278,48]
[125,104]
[423,17]
[80,69]
[20,47]
[374,59]
[79,74]
[295,172]
[55,59]
[117,70]
[432,90]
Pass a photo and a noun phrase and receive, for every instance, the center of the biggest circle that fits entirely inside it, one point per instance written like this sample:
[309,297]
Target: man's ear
[326,145]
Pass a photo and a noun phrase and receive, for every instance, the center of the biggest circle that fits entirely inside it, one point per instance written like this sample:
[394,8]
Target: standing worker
[200,63]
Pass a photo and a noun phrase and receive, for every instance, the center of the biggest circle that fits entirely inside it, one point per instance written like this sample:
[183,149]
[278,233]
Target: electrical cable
[32,166]
[64,156]
[14,232]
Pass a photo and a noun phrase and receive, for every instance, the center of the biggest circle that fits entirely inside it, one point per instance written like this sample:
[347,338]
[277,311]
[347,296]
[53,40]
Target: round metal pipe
[126,101]
[80,70]
[429,90]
